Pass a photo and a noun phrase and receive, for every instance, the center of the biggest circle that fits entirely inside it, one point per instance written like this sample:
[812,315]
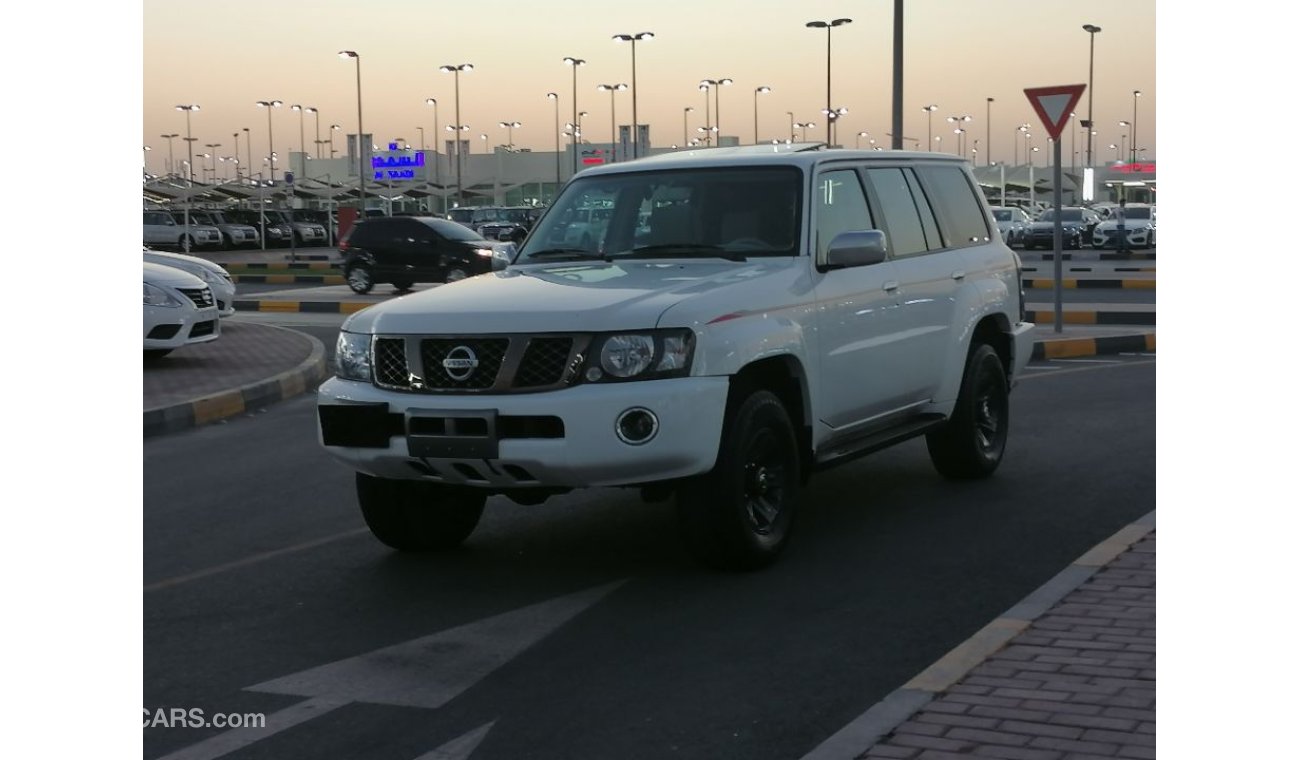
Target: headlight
[352,357]
[156,296]
[501,257]
[485,252]
[640,356]
[213,277]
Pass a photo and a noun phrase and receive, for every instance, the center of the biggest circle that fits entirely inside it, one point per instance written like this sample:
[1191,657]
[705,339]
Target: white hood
[561,297]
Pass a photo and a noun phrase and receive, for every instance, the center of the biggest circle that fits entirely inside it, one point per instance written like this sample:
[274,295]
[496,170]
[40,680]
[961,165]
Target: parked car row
[226,229]
[1097,226]
[505,223]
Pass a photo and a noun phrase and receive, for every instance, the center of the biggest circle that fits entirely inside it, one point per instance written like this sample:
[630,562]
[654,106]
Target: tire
[402,285]
[154,354]
[971,443]
[518,237]
[454,274]
[739,516]
[185,243]
[360,279]
[415,516]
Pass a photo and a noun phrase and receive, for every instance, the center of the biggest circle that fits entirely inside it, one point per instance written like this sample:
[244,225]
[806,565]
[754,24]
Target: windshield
[460,214]
[692,212]
[1067,215]
[1002,215]
[1137,213]
[452,230]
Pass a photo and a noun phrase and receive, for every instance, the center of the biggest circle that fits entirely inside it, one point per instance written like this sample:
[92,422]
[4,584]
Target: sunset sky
[227,56]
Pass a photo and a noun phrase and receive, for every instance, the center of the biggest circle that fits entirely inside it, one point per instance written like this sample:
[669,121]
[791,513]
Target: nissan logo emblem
[460,363]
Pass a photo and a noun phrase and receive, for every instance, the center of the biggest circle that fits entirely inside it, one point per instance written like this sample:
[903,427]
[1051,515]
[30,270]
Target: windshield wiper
[654,251]
[581,253]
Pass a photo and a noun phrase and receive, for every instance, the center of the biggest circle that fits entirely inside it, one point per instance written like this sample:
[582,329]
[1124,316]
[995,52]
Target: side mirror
[856,249]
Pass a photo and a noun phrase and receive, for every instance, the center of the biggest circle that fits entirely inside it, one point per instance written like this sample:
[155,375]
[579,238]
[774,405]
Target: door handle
[959,275]
[890,286]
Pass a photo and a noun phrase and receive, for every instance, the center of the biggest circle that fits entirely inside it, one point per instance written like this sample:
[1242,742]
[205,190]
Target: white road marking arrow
[461,747]
[426,672]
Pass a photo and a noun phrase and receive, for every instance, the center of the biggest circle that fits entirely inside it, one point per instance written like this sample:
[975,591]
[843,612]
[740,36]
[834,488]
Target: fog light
[635,426]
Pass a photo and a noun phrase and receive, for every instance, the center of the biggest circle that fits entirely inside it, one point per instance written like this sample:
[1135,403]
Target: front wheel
[739,516]
[414,516]
[360,279]
[186,243]
[970,444]
[455,274]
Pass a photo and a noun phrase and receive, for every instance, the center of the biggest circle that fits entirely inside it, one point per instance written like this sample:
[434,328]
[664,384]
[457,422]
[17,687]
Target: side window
[839,206]
[965,222]
[928,224]
[902,220]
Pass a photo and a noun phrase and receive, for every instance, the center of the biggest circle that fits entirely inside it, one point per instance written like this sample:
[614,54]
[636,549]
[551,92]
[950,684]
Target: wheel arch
[785,376]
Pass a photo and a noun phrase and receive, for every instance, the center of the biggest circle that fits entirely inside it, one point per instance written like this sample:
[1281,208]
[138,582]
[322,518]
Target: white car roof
[806,155]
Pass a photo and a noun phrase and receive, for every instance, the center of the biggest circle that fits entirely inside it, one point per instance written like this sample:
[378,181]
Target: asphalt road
[580,628]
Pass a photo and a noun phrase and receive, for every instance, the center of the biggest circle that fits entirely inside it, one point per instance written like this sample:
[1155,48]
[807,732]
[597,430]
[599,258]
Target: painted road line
[854,739]
[236,739]
[1089,361]
[252,560]
[461,747]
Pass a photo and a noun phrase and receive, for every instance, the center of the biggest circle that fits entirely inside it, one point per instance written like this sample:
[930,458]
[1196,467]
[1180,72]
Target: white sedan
[179,310]
[215,275]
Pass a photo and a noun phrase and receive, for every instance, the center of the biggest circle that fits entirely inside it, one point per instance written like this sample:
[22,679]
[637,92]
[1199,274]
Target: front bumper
[172,327]
[1139,238]
[563,438]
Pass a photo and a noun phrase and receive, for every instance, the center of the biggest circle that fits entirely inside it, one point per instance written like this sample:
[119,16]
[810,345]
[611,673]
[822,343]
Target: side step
[846,450]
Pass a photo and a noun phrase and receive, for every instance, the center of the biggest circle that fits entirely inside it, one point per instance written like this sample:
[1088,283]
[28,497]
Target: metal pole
[830,115]
[634,121]
[1056,228]
[361,151]
[460,193]
[189,177]
[988,132]
[897,137]
[1133,130]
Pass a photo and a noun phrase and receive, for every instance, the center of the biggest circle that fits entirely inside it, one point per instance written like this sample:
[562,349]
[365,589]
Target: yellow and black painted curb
[1126,283]
[854,739]
[290,279]
[219,406]
[1068,348]
[1082,317]
[303,307]
[279,266]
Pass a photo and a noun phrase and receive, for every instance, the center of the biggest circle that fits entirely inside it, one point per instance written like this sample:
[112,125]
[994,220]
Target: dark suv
[405,250]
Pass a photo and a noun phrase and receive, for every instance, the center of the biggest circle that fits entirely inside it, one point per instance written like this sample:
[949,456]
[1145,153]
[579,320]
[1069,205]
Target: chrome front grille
[476,364]
[202,297]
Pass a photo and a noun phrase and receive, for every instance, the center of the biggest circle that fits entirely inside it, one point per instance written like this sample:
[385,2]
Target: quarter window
[965,222]
[841,207]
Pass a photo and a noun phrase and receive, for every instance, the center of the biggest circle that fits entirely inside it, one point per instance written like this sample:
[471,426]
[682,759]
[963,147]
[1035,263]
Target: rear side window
[964,220]
[902,220]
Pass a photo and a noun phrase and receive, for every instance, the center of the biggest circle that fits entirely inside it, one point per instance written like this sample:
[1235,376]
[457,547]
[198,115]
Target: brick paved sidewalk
[1078,684]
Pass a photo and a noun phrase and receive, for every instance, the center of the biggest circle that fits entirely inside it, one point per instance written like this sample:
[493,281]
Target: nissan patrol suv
[744,317]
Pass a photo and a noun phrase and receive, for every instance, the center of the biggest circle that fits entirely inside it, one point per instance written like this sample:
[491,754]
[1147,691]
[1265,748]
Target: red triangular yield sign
[1054,105]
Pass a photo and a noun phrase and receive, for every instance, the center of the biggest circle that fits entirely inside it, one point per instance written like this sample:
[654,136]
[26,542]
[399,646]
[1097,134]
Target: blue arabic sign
[396,167]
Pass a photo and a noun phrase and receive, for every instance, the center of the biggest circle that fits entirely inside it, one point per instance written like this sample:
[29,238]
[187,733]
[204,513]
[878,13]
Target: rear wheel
[414,516]
[186,243]
[454,274]
[402,285]
[971,443]
[360,279]
[739,515]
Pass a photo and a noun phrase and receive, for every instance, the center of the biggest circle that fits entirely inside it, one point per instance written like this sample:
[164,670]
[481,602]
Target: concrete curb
[1071,283]
[1083,317]
[286,266]
[1067,348]
[897,707]
[290,279]
[219,406]
[312,307]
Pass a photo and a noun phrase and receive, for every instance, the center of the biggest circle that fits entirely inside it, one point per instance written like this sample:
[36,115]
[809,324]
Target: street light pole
[213,147]
[613,136]
[171,159]
[1133,130]
[897,136]
[361,148]
[1092,30]
[758,91]
[577,129]
[302,138]
[437,161]
[988,131]
[929,124]
[270,137]
[717,85]
[686,139]
[634,38]
[556,97]
[455,70]
[831,116]
[189,170]
[248,147]
[510,131]
[959,120]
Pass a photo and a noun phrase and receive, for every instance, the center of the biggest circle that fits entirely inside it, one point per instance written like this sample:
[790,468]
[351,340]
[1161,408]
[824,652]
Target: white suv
[747,315]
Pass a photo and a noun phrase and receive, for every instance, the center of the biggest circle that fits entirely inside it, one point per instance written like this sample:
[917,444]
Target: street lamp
[716,84]
[437,160]
[556,97]
[483,136]
[270,138]
[248,148]
[929,124]
[510,131]
[454,70]
[685,133]
[758,91]
[171,159]
[189,169]
[361,151]
[634,38]
[613,138]
[1116,147]
[1133,131]
[145,157]
[857,142]
[1092,30]
[302,140]
[1023,129]
[577,134]
[791,115]
[213,147]
[805,128]
[830,114]
[959,120]
[988,131]
[1123,137]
